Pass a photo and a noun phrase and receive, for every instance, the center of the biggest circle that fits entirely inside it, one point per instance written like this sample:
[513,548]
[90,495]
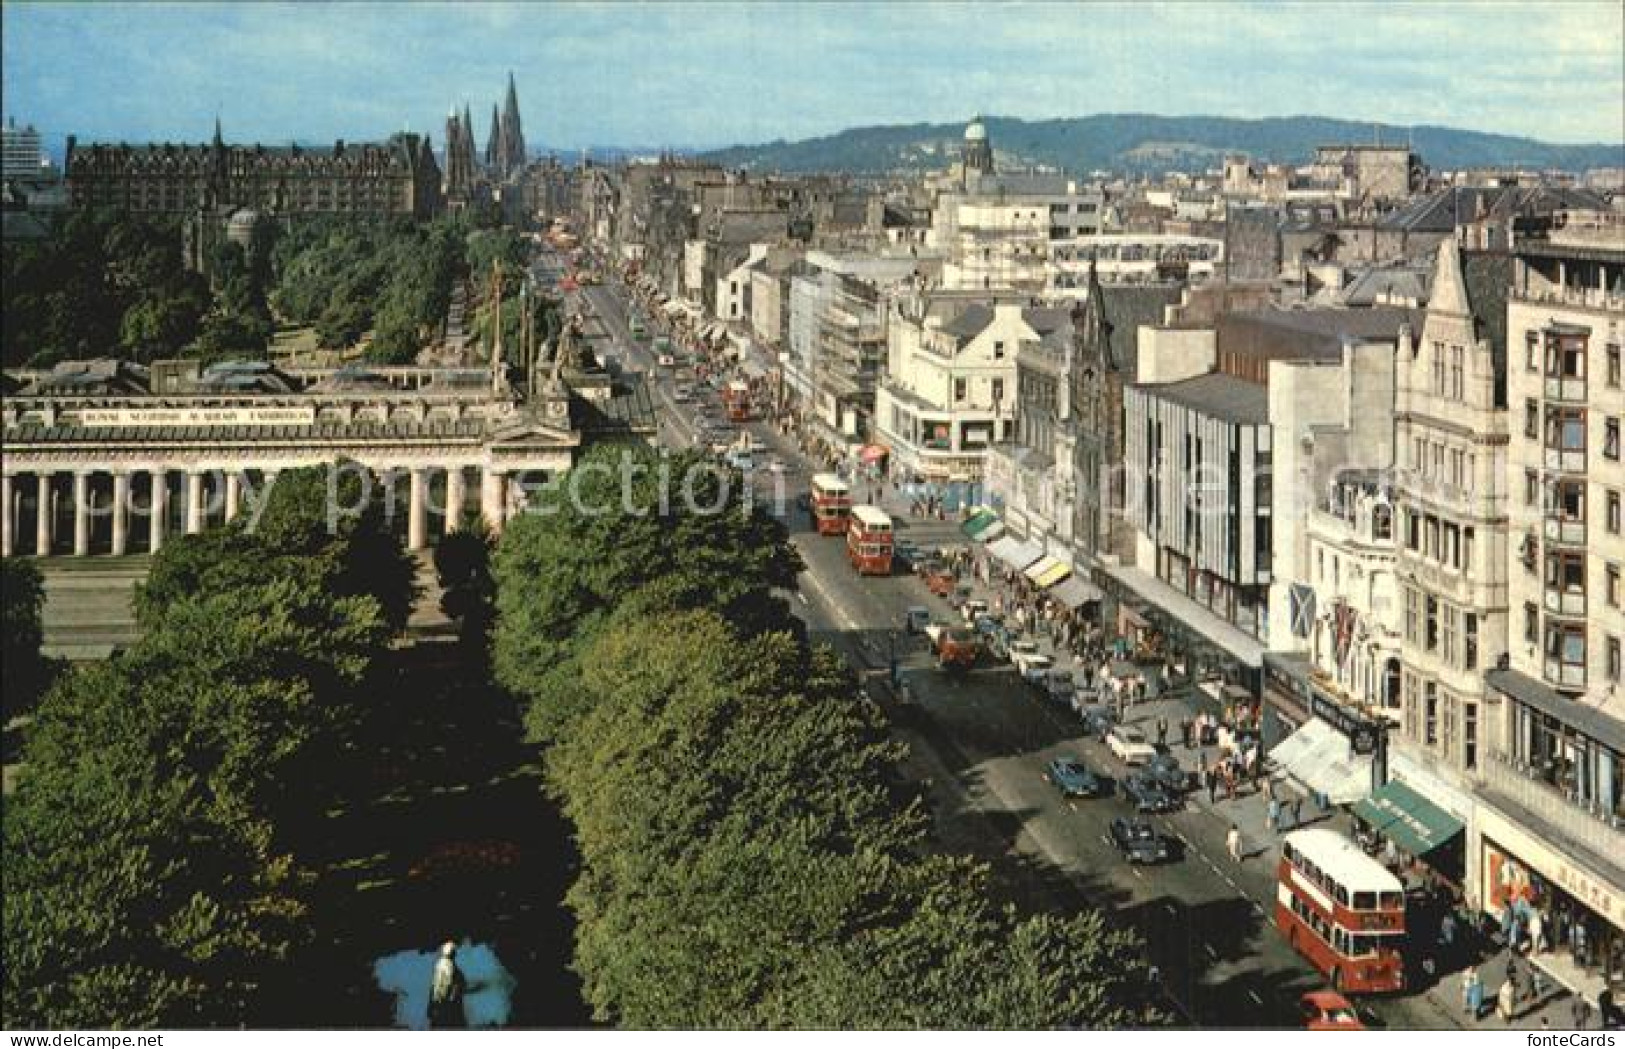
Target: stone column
[492,499]
[81,514]
[454,498]
[417,520]
[157,510]
[6,514]
[234,494]
[42,519]
[194,502]
[121,514]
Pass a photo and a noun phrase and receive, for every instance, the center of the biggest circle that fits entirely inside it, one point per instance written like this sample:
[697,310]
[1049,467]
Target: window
[1531,624]
[1430,713]
[1531,352]
[1613,660]
[1413,530]
[1467,548]
[1566,429]
[1566,643]
[1531,419]
[1438,368]
[998,351]
[998,391]
[1469,735]
[1451,555]
[959,389]
[1612,589]
[1610,438]
[1613,512]
[1565,571]
[1413,606]
[1613,365]
[1531,488]
[1470,647]
[1430,641]
[1419,455]
[1447,650]
[1458,385]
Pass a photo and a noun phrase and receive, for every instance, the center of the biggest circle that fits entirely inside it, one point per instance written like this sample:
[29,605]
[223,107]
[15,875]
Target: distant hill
[1139,143]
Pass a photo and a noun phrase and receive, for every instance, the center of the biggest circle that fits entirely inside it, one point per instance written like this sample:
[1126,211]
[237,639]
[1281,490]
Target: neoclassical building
[110,458]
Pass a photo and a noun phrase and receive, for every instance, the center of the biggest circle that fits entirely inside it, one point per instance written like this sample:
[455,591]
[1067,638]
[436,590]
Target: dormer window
[998,351]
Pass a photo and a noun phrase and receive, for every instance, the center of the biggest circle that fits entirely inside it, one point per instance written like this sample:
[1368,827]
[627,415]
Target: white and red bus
[1342,910]
[831,504]
[737,398]
[869,541]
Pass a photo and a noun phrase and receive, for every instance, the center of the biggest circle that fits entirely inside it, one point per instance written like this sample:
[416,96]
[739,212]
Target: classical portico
[94,471]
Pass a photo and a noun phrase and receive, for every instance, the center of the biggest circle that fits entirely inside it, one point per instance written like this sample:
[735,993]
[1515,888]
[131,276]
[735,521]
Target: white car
[973,608]
[1031,665]
[1129,745]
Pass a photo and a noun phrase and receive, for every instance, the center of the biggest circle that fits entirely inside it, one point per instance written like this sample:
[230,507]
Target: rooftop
[1218,395]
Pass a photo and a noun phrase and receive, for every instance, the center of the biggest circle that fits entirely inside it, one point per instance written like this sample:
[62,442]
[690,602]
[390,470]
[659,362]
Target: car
[1058,685]
[957,649]
[916,619]
[1139,842]
[940,579]
[1128,745]
[1167,771]
[1328,1011]
[1032,666]
[1149,794]
[1097,718]
[971,608]
[1074,779]
[906,554]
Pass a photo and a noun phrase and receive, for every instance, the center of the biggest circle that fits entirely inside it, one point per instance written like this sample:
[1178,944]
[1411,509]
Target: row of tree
[152,850]
[750,855]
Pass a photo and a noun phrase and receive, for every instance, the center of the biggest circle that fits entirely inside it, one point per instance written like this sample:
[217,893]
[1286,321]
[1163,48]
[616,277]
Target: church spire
[492,160]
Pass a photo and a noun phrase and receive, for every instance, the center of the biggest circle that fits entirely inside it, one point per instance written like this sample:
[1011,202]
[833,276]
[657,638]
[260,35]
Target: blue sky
[708,74]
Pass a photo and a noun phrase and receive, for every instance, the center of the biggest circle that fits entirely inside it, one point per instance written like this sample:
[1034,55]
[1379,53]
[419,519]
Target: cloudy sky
[708,74]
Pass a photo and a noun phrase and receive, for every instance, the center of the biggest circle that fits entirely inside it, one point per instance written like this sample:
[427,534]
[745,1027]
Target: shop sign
[1362,734]
[1589,891]
[303,416]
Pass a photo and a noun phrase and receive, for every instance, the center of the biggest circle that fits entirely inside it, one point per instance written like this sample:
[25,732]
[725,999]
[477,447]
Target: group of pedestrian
[1522,985]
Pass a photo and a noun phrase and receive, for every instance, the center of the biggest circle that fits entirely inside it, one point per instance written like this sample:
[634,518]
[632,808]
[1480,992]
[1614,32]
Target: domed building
[977,153]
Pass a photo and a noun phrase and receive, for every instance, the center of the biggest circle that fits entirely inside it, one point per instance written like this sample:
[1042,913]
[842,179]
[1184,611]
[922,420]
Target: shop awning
[981,526]
[1322,758]
[1411,821]
[1016,553]
[1048,571]
[1075,592]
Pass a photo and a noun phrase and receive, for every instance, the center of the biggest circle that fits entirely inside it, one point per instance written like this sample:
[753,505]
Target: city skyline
[710,75]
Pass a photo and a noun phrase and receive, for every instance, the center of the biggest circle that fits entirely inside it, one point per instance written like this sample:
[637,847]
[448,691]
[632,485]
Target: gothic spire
[492,144]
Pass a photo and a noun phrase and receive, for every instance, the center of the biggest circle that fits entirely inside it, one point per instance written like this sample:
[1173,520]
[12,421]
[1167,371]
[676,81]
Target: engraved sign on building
[287,416]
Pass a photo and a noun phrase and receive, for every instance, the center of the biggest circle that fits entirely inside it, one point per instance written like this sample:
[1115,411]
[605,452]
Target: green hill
[1138,143]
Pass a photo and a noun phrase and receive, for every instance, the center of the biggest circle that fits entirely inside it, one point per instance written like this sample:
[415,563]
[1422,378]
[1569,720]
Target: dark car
[1074,779]
[1098,719]
[1149,794]
[1139,842]
[1166,770]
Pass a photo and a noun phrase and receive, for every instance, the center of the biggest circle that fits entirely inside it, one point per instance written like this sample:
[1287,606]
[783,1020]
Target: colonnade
[206,496]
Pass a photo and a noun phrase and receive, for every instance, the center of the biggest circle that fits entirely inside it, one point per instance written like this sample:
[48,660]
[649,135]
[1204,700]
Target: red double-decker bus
[736,396]
[831,504]
[869,541]
[1342,910]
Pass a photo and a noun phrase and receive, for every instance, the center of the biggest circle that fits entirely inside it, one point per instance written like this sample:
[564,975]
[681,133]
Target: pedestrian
[1162,732]
[1232,842]
[1185,732]
[1505,1001]
[1472,992]
[1201,760]
[1537,932]
[1272,816]
[1269,789]
[1580,1013]
[1447,933]
[1212,787]
[1297,811]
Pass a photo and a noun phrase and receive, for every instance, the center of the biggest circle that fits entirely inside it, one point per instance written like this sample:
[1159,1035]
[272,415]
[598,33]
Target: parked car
[939,579]
[1139,842]
[1129,745]
[916,619]
[1074,779]
[971,608]
[1032,666]
[1328,1011]
[1098,719]
[1149,794]
[1058,686]
[906,555]
[1166,770]
[958,596]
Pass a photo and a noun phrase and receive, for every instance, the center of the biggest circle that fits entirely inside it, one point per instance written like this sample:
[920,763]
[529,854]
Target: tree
[22,607]
[462,560]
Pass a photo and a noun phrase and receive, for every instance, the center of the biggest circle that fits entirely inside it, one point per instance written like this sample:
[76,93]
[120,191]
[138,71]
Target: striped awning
[1047,571]
[1075,592]
[982,526]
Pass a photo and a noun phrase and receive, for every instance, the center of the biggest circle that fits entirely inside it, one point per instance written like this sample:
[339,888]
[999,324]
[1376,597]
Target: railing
[1586,298]
[1565,530]
[1580,820]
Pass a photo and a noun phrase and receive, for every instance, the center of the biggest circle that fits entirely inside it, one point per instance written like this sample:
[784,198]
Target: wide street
[980,744]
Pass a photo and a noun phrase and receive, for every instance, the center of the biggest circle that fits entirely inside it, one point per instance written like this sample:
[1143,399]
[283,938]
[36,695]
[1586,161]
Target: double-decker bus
[1342,910]
[831,504]
[869,541]
[736,395]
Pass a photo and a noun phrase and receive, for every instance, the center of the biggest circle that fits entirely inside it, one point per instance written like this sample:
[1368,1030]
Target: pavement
[978,745]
